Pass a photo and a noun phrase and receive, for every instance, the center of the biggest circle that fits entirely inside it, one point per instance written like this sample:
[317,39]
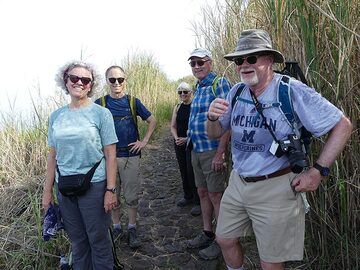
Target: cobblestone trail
[163,227]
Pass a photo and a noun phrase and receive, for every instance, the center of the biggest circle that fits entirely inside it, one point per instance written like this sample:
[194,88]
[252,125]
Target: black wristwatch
[112,190]
[324,171]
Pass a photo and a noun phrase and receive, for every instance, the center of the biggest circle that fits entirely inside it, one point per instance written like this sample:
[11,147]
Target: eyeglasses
[113,80]
[75,79]
[183,92]
[200,63]
[251,59]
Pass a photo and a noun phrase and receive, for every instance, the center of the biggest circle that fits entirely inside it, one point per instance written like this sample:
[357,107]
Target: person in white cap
[179,128]
[207,155]
[263,194]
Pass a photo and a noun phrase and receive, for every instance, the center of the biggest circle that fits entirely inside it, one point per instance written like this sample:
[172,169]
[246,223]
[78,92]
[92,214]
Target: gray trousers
[86,224]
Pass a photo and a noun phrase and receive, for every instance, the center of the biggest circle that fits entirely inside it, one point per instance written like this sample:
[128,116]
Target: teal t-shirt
[78,136]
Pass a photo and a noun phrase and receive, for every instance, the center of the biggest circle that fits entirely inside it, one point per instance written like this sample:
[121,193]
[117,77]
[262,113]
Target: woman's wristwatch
[112,190]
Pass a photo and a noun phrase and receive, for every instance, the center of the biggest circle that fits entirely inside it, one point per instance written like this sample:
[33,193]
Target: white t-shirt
[251,141]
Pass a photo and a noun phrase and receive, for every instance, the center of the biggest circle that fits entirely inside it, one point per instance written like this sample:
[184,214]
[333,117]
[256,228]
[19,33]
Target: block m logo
[248,137]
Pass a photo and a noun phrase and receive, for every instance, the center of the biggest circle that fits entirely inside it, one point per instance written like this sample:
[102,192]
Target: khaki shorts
[204,175]
[128,179]
[271,210]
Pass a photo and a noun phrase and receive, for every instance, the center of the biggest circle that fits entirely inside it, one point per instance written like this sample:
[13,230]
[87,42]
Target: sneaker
[133,240]
[118,233]
[200,241]
[196,210]
[210,253]
[184,202]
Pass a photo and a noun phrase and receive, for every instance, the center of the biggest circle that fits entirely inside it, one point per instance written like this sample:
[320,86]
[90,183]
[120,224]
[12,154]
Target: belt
[268,176]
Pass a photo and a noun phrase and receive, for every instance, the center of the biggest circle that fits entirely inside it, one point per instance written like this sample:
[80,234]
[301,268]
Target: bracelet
[212,120]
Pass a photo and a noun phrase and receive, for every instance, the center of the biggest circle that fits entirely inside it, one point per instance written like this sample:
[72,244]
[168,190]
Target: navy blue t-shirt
[124,123]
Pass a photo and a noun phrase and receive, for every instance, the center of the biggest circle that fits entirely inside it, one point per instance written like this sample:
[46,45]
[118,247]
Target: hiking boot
[211,252]
[133,240]
[118,233]
[200,241]
[184,202]
[196,210]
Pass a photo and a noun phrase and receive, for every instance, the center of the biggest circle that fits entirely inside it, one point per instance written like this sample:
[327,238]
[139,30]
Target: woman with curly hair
[82,142]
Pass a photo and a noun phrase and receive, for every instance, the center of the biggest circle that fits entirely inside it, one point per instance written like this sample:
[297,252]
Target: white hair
[61,76]
[184,86]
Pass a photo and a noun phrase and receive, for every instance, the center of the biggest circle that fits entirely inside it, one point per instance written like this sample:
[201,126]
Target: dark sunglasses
[113,80]
[251,59]
[200,63]
[75,79]
[183,92]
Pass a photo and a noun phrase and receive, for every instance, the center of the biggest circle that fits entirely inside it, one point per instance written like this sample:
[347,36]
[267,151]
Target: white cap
[200,52]
[184,86]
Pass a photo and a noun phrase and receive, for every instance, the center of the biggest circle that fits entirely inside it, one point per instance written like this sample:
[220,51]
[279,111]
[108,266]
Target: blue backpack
[284,100]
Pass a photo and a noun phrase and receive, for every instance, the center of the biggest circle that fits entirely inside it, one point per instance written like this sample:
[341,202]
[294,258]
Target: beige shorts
[128,179]
[270,210]
[204,175]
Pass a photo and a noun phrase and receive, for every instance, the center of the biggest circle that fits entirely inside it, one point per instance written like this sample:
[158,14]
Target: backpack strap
[237,94]
[103,100]
[132,105]
[287,109]
[284,98]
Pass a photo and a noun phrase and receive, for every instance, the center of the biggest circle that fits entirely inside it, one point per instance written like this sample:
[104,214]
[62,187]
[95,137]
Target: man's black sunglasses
[251,59]
[113,80]
[200,63]
[75,79]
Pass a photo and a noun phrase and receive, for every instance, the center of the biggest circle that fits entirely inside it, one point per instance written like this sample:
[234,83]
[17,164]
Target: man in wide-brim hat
[263,194]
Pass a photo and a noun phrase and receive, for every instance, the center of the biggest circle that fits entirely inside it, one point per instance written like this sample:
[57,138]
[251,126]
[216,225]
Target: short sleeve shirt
[126,130]
[79,136]
[198,112]
[251,140]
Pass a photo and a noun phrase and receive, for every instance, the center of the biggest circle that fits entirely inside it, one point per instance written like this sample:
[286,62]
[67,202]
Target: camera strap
[259,108]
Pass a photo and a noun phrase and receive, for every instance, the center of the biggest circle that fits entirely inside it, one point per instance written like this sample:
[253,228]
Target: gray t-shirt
[78,136]
[251,141]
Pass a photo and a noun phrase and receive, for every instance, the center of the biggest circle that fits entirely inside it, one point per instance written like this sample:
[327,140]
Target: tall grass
[324,37]
[23,152]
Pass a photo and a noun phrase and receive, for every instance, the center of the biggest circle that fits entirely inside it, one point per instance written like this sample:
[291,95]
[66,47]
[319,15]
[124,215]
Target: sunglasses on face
[200,63]
[113,80]
[183,92]
[75,79]
[251,59]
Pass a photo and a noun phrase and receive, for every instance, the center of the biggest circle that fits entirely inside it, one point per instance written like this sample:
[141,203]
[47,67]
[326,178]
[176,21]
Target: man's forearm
[224,141]
[336,142]
[152,124]
[214,129]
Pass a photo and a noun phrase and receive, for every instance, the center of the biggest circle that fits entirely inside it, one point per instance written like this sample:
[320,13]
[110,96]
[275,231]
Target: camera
[294,150]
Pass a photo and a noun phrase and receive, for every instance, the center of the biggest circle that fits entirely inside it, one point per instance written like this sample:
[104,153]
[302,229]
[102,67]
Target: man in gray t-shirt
[263,191]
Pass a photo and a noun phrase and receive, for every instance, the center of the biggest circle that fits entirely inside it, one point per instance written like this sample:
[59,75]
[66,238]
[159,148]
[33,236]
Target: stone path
[163,227]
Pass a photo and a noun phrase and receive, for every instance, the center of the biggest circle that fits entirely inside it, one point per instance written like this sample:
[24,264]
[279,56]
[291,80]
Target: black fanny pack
[76,184]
